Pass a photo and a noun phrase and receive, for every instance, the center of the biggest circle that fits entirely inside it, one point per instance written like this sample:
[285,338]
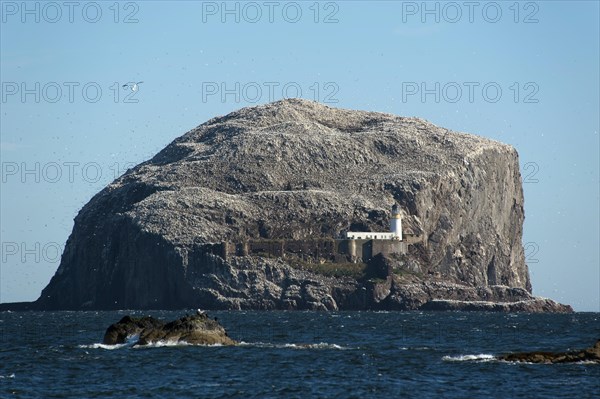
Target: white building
[395,232]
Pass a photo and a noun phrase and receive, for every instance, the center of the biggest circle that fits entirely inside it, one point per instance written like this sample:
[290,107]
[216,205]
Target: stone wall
[314,250]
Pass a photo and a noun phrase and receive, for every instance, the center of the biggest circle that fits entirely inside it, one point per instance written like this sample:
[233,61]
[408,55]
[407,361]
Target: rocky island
[590,355]
[292,177]
[197,329]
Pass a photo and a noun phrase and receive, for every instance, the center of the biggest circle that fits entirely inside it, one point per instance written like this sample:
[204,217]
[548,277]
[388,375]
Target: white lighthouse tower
[395,232]
[396,223]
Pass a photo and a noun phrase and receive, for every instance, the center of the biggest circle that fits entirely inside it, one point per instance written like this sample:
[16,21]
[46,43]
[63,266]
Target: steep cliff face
[298,169]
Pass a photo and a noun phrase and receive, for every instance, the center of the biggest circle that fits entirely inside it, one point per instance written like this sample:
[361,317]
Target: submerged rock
[585,355]
[197,329]
[296,169]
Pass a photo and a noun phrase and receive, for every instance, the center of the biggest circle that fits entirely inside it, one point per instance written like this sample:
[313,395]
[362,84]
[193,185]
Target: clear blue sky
[198,60]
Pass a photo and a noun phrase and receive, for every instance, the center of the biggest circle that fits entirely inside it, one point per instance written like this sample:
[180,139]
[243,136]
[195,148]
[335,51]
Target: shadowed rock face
[585,355]
[119,332]
[197,329]
[295,169]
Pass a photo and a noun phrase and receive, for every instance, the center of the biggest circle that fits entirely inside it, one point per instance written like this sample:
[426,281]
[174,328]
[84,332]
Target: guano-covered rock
[300,170]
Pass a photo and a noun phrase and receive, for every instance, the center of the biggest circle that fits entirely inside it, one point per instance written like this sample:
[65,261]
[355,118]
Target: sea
[300,355]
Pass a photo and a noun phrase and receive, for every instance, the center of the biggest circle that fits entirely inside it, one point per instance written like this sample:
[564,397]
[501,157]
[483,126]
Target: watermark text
[53,12]
[471,92]
[254,92]
[470,11]
[270,12]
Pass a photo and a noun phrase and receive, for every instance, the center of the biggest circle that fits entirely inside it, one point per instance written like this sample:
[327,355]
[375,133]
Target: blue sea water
[299,355]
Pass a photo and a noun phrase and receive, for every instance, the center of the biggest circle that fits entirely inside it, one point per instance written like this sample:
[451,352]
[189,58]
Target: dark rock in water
[585,355]
[296,169]
[447,296]
[528,304]
[128,326]
[197,329]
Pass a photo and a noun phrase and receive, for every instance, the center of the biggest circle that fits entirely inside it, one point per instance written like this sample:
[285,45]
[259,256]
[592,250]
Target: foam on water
[129,341]
[482,357]
[584,362]
[157,344]
[162,344]
[103,346]
[320,345]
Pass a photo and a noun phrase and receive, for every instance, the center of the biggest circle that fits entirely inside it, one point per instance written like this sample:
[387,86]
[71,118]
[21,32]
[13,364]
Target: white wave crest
[7,376]
[129,341]
[320,345]
[482,357]
[584,362]
[162,344]
[103,346]
[157,344]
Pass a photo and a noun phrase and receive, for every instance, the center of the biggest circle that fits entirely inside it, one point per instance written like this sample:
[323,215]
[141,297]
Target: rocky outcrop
[395,294]
[197,329]
[127,327]
[533,305]
[585,355]
[296,169]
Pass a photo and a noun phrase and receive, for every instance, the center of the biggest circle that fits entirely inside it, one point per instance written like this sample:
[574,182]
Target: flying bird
[132,86]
